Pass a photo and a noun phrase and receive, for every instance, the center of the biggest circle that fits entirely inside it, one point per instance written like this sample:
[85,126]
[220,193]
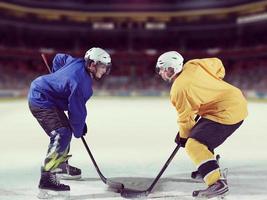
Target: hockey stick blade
[131,193]
[115,186]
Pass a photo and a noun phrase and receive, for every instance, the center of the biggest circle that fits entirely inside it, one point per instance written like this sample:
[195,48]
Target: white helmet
[97,54]
[170,59]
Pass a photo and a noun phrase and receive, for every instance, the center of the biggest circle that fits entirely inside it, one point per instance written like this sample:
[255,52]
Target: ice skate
[218,189]
[50,187]
[67,172]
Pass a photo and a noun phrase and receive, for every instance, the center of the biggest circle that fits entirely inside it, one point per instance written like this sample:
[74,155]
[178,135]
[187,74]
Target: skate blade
[50,194]
[223,196]
[68,177]
[218,197]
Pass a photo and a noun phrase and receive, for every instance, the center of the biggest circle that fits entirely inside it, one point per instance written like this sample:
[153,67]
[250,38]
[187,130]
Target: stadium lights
[47,50]
[155,25]
[213,51]
[151,51]
[252,18]
[103,25]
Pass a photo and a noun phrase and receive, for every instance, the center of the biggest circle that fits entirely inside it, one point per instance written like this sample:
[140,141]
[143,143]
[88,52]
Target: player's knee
[60,139]
[65,133]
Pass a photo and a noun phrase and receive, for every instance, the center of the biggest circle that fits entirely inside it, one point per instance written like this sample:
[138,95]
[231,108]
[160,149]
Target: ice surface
[131,138]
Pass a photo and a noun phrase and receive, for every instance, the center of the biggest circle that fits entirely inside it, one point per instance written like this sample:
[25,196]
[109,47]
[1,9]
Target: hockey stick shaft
[103,178]
[164,168]
[114,185]
[46,63]
[131,193]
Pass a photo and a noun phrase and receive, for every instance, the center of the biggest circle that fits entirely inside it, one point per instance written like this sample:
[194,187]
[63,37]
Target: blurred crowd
[17,74]
[249,75]
[124,80]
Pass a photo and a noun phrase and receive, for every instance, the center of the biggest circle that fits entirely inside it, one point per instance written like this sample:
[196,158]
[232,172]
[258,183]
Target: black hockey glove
[180,141]
[84,129]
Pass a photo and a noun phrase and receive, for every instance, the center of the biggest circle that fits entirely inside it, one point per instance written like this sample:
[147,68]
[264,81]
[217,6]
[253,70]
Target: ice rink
[130,138]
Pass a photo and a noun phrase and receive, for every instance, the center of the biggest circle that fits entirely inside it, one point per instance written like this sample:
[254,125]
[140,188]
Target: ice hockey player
[198,88]
[67,88]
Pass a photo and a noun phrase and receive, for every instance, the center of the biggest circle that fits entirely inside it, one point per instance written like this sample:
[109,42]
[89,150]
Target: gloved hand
[180,141]
[84,129]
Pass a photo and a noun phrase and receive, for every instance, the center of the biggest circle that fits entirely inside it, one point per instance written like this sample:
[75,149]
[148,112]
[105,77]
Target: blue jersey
[68,88]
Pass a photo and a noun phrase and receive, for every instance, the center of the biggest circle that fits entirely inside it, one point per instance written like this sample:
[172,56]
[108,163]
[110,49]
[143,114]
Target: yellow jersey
[200,89]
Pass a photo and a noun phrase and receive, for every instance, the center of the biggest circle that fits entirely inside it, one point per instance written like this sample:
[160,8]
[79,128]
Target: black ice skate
[67,172]
[218,189]
[50,187]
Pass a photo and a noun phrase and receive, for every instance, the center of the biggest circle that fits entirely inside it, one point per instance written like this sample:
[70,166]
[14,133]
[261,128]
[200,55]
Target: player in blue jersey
[67,88]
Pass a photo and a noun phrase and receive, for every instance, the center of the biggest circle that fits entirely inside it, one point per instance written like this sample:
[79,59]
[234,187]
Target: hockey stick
[118,187]
[46,63]
[131,193]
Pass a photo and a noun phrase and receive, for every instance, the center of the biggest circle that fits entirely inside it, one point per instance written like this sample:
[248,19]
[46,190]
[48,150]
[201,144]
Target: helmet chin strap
[175,73]
[171,77]
[94,76]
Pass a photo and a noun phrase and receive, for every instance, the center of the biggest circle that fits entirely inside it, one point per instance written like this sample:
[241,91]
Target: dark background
[135,33]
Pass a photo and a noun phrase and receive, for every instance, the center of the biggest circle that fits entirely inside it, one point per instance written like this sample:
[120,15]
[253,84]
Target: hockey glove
[180,141]
[84,129]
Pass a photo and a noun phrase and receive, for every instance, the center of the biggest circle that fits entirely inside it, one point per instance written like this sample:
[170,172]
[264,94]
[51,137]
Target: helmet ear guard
[108,69]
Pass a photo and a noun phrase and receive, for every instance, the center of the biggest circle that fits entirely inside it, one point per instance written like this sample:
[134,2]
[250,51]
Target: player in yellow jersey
[198,88]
